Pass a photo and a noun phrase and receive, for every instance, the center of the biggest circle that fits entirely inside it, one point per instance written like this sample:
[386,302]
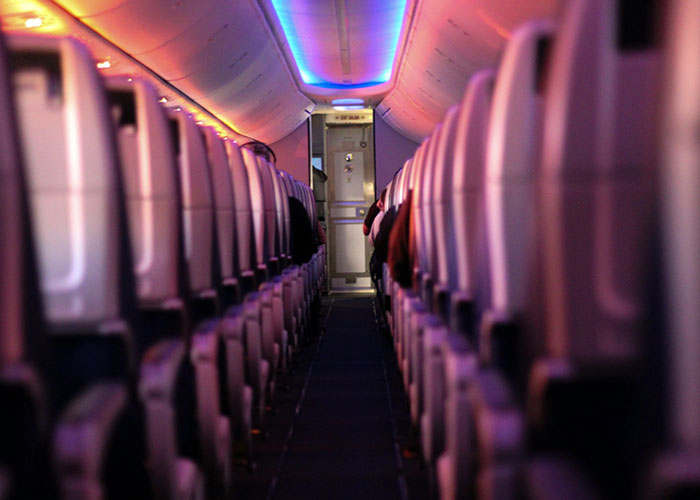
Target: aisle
[342,427]
[343,443]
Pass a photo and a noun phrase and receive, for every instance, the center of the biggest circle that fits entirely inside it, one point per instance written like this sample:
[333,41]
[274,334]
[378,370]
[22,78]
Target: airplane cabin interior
[349,249]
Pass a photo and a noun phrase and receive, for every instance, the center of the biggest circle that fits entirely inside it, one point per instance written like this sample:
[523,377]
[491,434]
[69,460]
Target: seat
[176,388]
[438,206]
[226,275]
[675,470]
[424,226]
[403,296]
[512,166]
[24,423]
[510,193]
[458,353]
[244,218]
[470,256]
[73,183]
[257,201]
[270,346]
[270,216]
[197,215]
[598,199]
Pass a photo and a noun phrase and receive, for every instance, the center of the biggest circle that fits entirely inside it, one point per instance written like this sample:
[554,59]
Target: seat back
[440,200]
[288,183]
[197,201]
[412,184]
[285,180]
[270,208]
[405,173]
[392,189]
[681,184]
[75,197]
[150,179]
[468,214]
[598,186]
[422,191]
[245,238]
[512,163]
[222,189]
[282,212]
[14,256]
[72,177]
[257,202]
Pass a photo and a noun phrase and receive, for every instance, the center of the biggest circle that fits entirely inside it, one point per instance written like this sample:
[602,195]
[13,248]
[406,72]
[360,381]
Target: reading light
[199,122]
[163,100]
[33,22]
[104,65]
[347,100]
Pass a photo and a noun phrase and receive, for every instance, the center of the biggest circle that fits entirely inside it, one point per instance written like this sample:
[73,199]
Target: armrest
[204,353]
[499,422]
[500,431]
[267,326]
[434,391]
[454,466]
[418,320]
[81,439]
[159,370]
[239,394]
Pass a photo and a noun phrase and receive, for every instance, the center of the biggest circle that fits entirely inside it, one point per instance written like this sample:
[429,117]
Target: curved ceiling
[448,42]
[221,53]
[234,59]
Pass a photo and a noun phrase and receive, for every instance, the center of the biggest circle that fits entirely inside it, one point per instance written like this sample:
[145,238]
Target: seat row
[150,304]
[549,342]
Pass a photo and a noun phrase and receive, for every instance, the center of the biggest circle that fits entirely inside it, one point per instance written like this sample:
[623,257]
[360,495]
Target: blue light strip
[347,101]
[290,14]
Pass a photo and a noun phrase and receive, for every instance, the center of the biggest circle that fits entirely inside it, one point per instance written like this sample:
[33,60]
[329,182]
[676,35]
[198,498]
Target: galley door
[350,189]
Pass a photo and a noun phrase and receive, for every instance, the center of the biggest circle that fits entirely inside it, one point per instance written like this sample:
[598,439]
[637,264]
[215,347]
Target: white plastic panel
[224,207]
[244,216]
[71,175]
[149,174]
[257,203]
[269,203]
[512,164]
[468,179]
[439,205]
[597,193]
[197,205]
[681,175]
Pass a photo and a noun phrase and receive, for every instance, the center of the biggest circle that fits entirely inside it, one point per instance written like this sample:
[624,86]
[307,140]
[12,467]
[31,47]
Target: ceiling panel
[220,52]
[449,41]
